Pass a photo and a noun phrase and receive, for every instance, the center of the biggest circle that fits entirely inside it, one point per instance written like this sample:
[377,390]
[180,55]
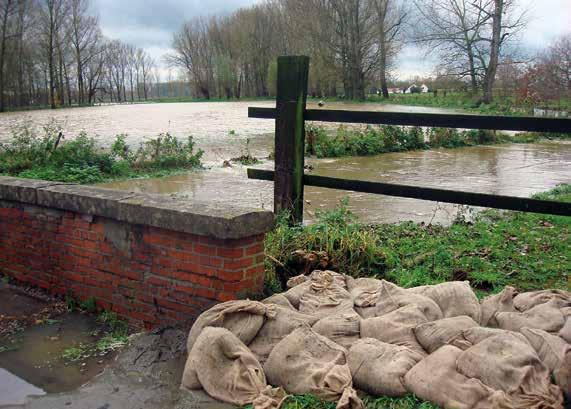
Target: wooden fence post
[291,100]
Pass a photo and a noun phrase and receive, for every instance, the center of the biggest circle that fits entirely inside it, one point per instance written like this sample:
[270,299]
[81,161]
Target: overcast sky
[151,23]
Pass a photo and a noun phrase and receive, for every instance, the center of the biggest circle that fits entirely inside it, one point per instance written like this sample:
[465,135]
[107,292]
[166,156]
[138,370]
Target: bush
[49,156]
[167,152]
[375,140]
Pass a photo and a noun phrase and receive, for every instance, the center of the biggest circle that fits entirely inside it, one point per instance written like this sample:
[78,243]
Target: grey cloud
[150,23]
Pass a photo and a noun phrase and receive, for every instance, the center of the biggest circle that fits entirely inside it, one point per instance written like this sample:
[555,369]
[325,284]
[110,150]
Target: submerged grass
[374,140]
[49,156]
[495,249]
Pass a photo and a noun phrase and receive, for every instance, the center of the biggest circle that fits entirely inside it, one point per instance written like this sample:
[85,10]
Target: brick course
[148,275]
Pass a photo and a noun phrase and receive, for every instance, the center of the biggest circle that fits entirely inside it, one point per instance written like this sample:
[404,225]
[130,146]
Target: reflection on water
[518,170]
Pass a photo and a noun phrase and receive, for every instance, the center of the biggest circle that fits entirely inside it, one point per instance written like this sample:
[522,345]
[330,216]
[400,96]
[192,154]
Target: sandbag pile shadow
[330,335]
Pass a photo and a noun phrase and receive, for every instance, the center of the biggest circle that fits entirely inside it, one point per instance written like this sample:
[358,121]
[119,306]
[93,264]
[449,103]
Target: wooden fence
[290,115]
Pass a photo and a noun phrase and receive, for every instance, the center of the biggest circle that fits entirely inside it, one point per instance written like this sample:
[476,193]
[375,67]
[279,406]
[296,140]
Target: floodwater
[219,128]
[515,169]
[223,129]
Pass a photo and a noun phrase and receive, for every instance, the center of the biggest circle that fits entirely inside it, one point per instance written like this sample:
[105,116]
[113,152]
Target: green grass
[525,250]
[47,156]
[374,140]
[311,402]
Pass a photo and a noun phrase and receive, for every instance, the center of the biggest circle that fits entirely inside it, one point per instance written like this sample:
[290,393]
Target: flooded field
[222,130]
[518,169]
[219,128]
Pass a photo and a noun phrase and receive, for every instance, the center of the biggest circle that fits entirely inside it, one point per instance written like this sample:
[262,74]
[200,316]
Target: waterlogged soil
[145,375]
[35,333]
[513,169]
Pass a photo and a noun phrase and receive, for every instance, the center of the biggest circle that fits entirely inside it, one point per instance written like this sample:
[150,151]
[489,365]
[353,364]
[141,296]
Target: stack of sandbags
[330,332]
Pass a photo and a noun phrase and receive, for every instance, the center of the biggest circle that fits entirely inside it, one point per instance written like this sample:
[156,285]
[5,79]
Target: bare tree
[194,53]
[390,21]
[52,14]
[85,38]
[7,10]
[469,36]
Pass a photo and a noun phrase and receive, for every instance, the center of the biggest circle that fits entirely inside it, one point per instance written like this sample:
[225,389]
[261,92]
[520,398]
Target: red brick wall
[150,276]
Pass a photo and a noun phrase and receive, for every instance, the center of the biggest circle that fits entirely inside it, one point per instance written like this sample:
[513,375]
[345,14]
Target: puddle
[31,361]
[38,357]
[513,170]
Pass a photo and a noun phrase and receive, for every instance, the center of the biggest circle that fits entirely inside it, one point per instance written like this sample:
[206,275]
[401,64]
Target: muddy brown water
[210,123]
[518,170]
[514,169]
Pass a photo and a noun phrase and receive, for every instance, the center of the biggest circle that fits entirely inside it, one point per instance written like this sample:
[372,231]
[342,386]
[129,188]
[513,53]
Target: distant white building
[409,89]
[423,89]
[395,90]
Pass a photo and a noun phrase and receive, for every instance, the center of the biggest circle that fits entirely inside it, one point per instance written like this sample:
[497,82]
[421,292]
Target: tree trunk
[383,69]
[80,86]
[494,51]
[51,70]
[20,74]
[3,51]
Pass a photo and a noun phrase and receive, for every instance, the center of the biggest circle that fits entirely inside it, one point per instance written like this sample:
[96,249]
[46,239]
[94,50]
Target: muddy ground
[34,331]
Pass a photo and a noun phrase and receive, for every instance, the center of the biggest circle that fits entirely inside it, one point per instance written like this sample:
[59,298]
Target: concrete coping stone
[211,219]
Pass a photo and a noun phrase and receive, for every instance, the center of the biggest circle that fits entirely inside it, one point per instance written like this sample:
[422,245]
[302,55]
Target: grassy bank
[524,250]
[374,140]
[48,156]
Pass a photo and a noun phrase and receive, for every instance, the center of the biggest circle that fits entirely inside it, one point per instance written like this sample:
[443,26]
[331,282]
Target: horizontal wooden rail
[424,193]
[503,123]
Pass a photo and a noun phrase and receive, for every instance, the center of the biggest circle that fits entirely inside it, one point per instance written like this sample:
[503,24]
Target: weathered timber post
[291,100]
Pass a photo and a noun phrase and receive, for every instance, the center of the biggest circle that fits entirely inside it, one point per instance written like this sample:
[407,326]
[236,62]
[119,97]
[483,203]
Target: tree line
[52,52]
[354,44]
